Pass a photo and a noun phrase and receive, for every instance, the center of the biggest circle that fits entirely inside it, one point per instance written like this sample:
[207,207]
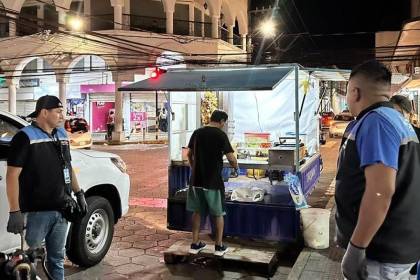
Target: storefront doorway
[100,111]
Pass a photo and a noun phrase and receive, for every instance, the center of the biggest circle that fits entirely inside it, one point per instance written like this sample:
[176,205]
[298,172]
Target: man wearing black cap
[39,173]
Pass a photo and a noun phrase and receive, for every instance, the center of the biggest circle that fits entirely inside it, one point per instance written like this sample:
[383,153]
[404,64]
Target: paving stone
[132,252]
[144,244]
[145,276]
[155,251]
[166,243]
[180,235]
[133,238]
[164,231]
[156,268]
[129,268]
[121,245]
[112,252]
[114,276]
[158,237]
[126,222]
[116,239]
[145,260]
[116,261]
[145,232]
[134,227]
[123,233]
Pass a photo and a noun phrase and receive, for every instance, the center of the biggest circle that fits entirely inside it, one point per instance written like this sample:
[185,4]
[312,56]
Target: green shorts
[202,200]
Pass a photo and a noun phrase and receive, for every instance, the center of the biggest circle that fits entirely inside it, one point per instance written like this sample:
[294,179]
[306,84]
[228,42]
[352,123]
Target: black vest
[41,182]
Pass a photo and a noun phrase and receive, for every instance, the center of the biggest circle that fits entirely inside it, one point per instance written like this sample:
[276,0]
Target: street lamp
[75,23]
[268,29]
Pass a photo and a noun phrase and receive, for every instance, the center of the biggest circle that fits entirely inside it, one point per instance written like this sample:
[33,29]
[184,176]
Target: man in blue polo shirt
[377,189]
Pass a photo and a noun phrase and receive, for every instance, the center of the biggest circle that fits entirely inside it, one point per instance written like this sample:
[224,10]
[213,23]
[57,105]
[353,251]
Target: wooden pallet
[258,259]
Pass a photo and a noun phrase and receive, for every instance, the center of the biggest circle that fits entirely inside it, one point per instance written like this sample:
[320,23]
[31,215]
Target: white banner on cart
[273,111]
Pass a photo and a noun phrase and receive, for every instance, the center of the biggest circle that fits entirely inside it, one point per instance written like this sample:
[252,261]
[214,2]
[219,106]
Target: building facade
[57,46]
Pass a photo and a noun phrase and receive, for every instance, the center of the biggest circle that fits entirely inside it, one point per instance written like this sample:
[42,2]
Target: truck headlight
[120,164]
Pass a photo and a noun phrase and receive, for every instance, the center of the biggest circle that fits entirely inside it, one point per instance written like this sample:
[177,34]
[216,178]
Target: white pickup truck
[106,183]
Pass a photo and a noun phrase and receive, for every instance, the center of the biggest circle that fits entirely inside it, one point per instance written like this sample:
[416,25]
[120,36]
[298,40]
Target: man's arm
[232,160]
[190,156]
[380,187]
[74,183]
[12,187]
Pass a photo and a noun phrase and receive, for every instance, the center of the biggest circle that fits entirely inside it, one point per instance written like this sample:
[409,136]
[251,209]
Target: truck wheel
[89,240]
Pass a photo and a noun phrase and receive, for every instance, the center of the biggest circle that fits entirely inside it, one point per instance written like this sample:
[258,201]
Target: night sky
[322,17]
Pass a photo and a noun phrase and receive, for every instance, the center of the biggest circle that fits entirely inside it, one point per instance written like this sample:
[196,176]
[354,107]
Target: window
[8,129]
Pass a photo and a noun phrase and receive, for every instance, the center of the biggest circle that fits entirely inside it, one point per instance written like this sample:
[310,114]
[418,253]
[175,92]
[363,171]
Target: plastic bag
[295,190]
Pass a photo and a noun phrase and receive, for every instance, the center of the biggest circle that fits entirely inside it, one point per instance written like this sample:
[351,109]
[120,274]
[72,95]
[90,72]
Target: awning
[329,74]
[229,79]
[218,79]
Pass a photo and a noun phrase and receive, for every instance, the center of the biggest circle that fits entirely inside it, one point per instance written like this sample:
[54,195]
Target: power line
[303,23]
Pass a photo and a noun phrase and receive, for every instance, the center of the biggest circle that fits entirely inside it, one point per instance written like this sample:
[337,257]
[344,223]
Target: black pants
[110,127]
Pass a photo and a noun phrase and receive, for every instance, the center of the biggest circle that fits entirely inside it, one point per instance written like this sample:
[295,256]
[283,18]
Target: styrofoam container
[316,227]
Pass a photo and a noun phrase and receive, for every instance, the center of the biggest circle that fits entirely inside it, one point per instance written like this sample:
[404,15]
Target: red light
[157,72]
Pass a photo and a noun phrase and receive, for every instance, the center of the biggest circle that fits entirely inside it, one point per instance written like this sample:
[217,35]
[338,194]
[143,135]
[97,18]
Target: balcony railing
[224,35]
[152,24]
[102,22]
[158,25]
[28,25]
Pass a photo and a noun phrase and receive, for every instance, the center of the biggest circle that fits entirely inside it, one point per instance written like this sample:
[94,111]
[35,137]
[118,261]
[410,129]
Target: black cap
[46,102]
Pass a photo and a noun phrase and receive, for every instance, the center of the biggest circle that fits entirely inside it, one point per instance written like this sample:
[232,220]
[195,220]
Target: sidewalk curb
[304,256]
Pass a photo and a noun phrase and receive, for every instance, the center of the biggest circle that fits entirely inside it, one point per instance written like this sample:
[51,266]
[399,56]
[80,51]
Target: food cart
[273,126]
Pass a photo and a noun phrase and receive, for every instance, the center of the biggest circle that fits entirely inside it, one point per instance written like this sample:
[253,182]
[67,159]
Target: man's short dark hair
[403,102]
[218,116]
[374,71]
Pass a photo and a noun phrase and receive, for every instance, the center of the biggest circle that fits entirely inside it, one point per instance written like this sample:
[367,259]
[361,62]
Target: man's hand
[353,264]
[16,222]
[80,195]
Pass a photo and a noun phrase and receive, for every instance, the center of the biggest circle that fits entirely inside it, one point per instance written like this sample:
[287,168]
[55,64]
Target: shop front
[140,113]
[99,102]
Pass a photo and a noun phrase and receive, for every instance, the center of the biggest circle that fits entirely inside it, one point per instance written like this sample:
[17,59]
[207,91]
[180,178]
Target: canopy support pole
[156,117]
[297,163]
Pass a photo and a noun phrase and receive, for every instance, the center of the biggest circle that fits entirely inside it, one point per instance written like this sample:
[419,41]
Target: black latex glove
[16,222]
[80,195]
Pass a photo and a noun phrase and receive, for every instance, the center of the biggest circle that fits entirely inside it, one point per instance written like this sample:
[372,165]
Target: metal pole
[156,117]
[297,163]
